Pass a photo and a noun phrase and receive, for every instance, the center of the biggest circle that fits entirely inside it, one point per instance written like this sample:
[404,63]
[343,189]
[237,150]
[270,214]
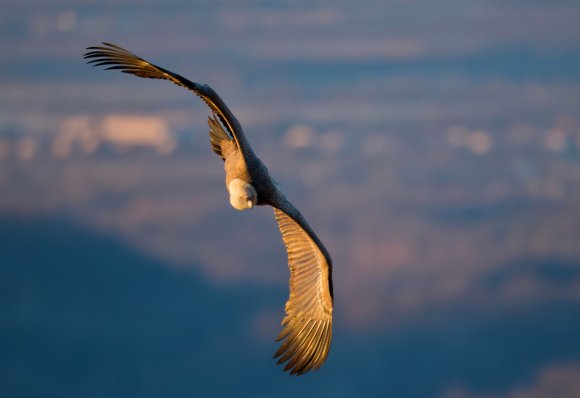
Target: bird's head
[242,195]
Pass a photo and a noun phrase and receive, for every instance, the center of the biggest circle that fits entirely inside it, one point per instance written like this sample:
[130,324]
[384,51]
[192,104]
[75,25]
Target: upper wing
[220,141]
[307,327]
[127,62]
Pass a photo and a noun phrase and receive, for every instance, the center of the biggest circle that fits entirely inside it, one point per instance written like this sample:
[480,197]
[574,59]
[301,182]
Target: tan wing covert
[307,327]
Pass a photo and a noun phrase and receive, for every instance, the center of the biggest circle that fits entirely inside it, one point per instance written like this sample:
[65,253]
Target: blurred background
[433,146]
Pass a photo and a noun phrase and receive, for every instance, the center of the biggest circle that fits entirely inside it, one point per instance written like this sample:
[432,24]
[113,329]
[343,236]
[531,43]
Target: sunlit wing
[220,141]
[115,57]
[307,327]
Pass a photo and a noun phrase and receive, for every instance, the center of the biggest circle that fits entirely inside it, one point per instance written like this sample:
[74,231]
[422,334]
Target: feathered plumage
[307,326]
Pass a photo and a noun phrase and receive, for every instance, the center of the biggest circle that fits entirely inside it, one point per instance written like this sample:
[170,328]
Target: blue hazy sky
[433,146]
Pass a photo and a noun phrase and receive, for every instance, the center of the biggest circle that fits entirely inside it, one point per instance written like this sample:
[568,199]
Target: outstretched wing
[115,57]
[307,327]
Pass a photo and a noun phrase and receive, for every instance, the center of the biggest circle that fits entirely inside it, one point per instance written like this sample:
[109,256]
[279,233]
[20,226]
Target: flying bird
[307,326]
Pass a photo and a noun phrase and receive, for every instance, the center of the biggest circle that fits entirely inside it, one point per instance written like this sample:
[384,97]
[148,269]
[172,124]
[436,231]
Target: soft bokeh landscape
[433,145]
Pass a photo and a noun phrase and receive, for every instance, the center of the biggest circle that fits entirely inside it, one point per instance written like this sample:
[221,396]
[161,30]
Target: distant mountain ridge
[82,315]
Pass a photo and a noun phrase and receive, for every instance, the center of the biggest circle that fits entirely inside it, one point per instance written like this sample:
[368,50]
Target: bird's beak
[250,204]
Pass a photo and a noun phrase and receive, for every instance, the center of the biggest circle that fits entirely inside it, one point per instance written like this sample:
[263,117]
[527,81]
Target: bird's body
[307,327]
